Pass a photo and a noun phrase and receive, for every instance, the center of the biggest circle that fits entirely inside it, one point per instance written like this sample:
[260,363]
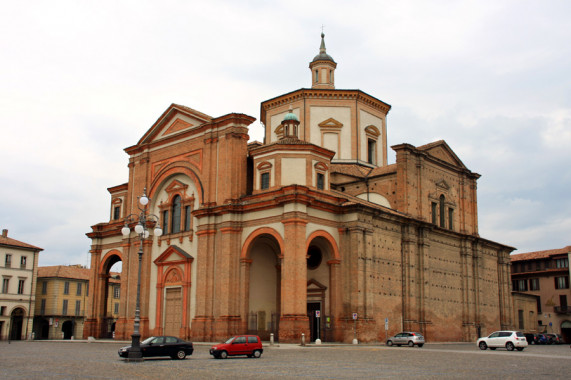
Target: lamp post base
[135,354]
[134,360]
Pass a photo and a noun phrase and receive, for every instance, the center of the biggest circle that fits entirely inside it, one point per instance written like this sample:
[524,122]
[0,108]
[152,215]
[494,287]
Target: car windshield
[148,340]
[520,334]
[230,340]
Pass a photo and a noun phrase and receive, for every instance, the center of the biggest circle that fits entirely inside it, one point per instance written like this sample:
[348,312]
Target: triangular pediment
[330,123]
[173,254]
[443,185]
[177,126]
[315,285]
[443,152]
[176,187]
[176,119]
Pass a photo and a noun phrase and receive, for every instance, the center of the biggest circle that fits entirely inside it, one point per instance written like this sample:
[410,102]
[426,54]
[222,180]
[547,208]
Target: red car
[249,345]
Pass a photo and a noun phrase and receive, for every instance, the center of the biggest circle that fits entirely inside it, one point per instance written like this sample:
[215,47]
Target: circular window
[314,257]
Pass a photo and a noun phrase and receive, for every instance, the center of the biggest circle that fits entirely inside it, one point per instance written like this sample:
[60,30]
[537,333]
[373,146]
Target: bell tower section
[322,68]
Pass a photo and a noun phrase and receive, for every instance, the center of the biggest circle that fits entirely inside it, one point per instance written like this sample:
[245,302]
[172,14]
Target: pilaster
[202,324]
[294,320]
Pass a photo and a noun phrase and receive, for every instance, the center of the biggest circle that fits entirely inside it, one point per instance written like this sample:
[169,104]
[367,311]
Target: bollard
[271,339]
[302,339]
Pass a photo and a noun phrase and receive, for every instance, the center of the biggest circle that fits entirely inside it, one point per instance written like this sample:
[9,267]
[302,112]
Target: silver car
[409,338]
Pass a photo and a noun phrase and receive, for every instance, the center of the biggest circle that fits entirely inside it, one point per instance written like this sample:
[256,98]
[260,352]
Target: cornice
[327,94]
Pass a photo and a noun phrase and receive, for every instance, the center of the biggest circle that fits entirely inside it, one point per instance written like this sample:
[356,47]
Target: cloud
[82,81]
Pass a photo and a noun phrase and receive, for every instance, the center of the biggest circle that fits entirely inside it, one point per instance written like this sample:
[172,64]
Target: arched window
[175,222]
[442,215]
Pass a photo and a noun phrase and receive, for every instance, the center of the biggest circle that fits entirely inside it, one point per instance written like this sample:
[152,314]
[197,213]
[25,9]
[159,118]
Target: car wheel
[180,354]
[520,348]
[257,354]
[483,345]
[389,343]
[223,355]
[509,346]
[420,344]
[411,343]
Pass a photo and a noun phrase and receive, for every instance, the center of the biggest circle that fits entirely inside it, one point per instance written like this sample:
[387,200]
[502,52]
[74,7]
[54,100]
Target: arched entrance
[16,323]
[111,277]
[264,287]
[321,256]
[107,290]
[67,329]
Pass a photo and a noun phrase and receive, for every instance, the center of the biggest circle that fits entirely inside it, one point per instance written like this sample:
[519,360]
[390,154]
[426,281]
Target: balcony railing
[562,309]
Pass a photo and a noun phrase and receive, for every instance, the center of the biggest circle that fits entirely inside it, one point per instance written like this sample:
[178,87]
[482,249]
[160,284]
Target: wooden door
[173,311]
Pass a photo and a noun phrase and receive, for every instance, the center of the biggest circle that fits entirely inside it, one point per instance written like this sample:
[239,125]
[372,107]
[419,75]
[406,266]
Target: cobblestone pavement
[99,360]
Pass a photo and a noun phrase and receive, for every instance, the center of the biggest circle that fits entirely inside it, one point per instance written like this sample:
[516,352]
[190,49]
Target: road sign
[354,315]
[317,313]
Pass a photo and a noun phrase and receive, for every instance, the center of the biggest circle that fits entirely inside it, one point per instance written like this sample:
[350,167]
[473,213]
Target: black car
[162,346]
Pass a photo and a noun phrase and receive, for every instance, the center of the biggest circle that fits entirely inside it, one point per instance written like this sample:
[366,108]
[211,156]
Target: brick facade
[304,232]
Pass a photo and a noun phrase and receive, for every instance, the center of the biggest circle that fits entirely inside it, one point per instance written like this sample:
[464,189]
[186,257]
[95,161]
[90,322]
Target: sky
[80,81]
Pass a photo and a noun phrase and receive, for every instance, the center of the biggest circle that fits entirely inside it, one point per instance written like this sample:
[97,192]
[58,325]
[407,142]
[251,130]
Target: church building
[310,232]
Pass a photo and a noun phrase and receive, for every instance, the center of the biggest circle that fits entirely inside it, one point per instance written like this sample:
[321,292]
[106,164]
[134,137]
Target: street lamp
[141,229]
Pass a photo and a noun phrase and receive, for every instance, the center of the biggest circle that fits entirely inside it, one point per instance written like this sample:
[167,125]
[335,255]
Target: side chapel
[311,231]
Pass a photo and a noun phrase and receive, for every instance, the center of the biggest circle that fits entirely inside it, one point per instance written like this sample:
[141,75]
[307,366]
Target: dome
[290,116]
[322,56]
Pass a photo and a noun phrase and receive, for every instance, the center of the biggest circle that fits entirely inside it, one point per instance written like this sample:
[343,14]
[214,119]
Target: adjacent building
[545,275]
[311,231]
[61,299]
[18,270]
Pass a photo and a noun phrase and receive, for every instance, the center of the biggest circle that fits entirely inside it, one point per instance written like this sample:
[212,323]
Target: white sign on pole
[354,315]
[317,313]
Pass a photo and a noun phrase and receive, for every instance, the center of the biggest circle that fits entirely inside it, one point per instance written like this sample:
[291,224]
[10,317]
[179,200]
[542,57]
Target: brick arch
[327,236]
[103,264]
[259,232]
[175,169]
[96,325]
